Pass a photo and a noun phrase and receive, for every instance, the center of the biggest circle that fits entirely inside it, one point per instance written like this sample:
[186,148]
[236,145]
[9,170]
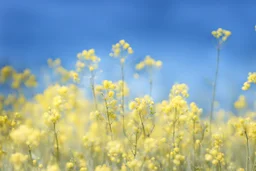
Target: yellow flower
[149,61]
[140,66]
[215,162]
[83,169]
[25,135]
[130,51]
[52,116]
[240,169]
[91,52]
[126,45]
[214,33]
[75,76]
[227,33]
[221,34]
[121,49]
[159,64]
[108,85]
[240,103]
[91,68]
[102,168]
[63,90]
[17,159]
[111,94]
[69,165]
[117,52]
[54,167]
[246,86]
[122,42]
[84,53]
[6,73]
[208,157]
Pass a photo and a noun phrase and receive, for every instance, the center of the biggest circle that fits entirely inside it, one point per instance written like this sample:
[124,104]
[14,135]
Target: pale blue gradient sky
[176,32]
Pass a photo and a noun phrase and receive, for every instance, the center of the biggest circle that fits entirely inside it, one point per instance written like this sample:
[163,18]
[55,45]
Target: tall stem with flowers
[221,35]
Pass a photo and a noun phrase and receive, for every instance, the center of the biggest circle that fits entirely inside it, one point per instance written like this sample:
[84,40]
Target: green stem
[214,87]
[142,125]
[30,155]
[108,118]
[219,167]
[136,144]
[57,143]
[150,81]
[247,152]
[93,90]
[122,101]
[194,143]
[122,88]
[174,126]
[173,132]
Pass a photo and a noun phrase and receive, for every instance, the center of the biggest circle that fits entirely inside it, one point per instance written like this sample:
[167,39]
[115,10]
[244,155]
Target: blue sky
[174,31]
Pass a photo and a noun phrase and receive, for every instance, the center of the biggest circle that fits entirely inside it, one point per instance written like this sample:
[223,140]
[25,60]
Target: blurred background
[176,32]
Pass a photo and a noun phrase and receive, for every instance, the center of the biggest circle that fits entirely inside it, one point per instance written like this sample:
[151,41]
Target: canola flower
[240,103]
[87,59]
[61,128]
[122,50]
[251,79]
[149,64]
[221,36]
[18,79]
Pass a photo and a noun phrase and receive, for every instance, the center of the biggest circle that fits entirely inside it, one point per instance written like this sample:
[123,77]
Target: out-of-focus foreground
[61,129]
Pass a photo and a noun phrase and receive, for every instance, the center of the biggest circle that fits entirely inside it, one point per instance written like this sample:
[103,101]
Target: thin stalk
[214,87]
[247,152]
[122,93]
[142,125]
[93,90]
[122,88]
[254,164]
[136,144]
[194,143]
[30,155]
[57,143]
[174,126]
[151,86]
[173,131]
[201,141]
[150,81]
[108,118]
[219,168]
[254,160]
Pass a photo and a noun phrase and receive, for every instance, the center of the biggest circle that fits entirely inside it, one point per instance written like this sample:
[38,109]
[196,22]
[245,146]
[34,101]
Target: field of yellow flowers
[60,129]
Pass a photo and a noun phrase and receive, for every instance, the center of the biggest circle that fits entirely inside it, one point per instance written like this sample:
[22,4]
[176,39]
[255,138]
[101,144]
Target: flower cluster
[148,62]
[240,103]
[121,49]
[221,34]
[63,128]
[25,135]
[18,79]
[214,155]
[250,79]
[87,58]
